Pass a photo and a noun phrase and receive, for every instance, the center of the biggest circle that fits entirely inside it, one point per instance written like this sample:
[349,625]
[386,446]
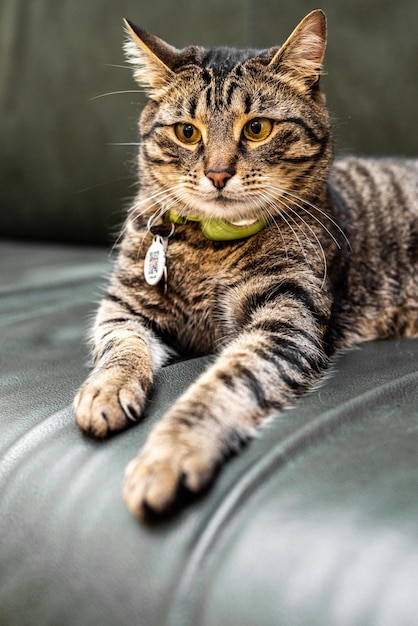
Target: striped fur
[336,265]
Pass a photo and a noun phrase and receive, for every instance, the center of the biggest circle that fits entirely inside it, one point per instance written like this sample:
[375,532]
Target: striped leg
[262,371]
[126,356]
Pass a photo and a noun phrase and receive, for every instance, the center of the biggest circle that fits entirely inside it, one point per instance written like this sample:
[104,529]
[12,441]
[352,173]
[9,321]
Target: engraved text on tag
[155,261]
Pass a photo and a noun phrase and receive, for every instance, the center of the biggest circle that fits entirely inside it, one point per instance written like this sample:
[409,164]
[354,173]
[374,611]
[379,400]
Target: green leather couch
[316,523]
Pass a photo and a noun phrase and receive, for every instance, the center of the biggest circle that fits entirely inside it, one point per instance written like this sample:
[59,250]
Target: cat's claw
[153,482]
[104,405]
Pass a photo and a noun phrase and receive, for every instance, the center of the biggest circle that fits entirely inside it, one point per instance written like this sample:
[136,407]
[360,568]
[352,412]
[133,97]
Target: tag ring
[149,227]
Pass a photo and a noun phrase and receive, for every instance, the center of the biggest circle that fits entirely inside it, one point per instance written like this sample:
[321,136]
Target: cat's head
[230,133]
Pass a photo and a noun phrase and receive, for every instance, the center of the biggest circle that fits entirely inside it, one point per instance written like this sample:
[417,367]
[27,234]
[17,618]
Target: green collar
[220,230]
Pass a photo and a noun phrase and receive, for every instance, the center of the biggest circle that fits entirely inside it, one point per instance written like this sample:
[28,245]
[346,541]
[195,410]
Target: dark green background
[61,176]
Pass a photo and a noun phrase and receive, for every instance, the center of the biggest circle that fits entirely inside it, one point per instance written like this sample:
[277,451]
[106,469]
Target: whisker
[321,248]
[104,183]
[154,197]
[116,93]
[299,203]
[289,209]
[283,216]
[159,200]
[302,206]
[123,67]
[120,143]
[321,212]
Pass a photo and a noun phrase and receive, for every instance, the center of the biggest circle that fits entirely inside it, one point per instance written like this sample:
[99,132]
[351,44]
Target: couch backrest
[63,176]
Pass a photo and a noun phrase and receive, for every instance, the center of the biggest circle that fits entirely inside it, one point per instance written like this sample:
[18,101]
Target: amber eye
[187,133]
[258,129]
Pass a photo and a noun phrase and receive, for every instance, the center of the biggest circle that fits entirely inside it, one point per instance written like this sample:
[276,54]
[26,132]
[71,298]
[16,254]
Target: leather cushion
[314,523]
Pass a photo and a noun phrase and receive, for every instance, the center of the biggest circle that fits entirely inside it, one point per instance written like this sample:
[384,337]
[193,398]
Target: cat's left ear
[153,60]
[302,54]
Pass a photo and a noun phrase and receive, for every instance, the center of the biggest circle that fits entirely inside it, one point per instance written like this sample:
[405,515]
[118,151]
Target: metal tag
[154,265]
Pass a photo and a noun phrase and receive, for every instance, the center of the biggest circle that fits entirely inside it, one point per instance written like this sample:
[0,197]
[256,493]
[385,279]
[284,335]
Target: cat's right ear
[151,58]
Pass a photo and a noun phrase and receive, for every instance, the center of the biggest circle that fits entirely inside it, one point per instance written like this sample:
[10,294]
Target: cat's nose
[219,177]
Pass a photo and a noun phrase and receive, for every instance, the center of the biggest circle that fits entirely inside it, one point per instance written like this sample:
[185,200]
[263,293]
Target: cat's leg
[126,356]
[264,370]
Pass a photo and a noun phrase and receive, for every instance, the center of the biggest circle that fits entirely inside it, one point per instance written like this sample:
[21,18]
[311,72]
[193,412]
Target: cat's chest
[198,266]
[190,299]
[195,278]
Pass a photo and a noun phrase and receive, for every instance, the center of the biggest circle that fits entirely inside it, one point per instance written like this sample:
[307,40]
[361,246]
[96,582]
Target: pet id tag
[155,262]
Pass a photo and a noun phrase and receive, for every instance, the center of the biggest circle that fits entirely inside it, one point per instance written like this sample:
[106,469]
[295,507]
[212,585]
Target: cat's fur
[336,264]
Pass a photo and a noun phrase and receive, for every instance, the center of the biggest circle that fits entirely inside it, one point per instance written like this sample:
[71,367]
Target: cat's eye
[258,129]
[187,133]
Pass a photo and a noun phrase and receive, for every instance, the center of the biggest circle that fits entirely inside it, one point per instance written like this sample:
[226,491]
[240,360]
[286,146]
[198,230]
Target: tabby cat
[246,240]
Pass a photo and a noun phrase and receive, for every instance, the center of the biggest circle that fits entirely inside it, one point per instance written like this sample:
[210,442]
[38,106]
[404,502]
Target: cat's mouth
[223,207]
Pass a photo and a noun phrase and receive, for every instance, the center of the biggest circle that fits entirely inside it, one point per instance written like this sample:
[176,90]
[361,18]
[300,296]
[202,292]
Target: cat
[247,240]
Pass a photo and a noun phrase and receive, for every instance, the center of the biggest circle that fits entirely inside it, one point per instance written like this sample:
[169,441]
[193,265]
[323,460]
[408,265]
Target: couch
[315,523]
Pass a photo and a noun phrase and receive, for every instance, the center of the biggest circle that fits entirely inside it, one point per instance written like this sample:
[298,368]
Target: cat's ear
[153,60]
[302,54]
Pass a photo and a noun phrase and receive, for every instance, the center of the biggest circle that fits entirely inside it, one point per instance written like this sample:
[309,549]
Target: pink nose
[219,178]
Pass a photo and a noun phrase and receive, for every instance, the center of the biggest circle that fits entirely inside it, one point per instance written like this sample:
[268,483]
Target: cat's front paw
[108,402]
[156,478]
